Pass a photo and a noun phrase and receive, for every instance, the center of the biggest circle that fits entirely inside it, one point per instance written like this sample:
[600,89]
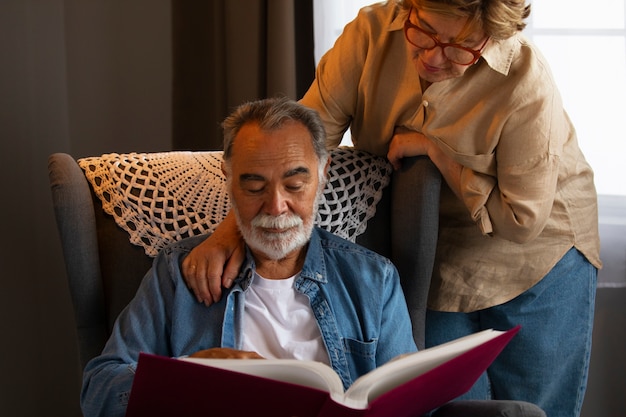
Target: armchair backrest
[107,251]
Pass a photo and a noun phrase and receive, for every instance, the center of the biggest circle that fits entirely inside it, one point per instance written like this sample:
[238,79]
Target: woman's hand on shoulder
[215,262]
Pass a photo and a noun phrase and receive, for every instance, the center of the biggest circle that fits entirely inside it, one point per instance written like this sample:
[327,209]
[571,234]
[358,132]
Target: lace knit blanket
[159,198]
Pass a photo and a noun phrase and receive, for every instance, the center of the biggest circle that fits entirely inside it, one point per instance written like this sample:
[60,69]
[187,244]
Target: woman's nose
[434,56]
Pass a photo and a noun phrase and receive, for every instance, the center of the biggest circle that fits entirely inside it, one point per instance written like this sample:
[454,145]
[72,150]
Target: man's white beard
[276,245]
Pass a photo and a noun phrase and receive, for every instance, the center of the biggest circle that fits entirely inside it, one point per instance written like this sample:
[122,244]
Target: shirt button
[425,103]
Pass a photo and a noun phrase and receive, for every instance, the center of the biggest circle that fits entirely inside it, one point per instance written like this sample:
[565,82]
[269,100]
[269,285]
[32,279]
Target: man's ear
[327,170]
[327,167]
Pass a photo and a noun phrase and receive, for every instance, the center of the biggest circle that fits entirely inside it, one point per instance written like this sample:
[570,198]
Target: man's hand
[405,143]
[215,262]
[225,353]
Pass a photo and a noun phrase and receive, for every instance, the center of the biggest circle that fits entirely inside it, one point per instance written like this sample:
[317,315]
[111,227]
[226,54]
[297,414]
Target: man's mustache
[284,221]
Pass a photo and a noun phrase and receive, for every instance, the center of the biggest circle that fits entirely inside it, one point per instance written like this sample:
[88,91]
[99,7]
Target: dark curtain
[226,52]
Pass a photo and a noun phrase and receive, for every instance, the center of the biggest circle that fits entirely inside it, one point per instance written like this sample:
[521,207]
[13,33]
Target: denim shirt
[354,293]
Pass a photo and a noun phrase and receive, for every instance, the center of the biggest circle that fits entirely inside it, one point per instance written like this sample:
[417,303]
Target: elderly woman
[457,81]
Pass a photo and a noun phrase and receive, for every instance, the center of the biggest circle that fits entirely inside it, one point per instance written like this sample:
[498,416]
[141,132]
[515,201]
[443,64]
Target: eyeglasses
[454,52]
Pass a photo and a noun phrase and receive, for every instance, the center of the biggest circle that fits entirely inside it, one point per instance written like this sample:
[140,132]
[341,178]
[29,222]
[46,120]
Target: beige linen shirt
[528,193]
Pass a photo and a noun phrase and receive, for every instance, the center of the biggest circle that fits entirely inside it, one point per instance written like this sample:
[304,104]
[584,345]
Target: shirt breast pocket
[361,355]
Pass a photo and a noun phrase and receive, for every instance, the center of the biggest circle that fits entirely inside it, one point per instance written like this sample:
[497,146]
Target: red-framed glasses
[454,52]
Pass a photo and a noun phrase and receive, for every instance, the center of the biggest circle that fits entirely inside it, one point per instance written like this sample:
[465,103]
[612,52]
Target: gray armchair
[106,257]
[104,268]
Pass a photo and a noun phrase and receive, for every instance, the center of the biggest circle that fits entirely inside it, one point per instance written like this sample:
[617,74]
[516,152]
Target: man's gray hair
[271,114]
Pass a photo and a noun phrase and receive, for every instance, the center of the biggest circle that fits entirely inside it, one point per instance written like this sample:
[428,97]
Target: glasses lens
[458,55]
[420,39]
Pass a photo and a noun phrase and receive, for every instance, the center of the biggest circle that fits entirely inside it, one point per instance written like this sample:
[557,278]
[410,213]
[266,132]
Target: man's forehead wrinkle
[301,170]
[259,155]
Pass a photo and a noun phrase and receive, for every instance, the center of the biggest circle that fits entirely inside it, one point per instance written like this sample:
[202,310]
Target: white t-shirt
[279,323]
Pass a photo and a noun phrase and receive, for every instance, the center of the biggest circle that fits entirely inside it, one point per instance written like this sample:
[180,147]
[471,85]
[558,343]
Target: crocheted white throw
[159,198]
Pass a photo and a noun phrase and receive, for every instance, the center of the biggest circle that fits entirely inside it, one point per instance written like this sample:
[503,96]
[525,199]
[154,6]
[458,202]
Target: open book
[410,385]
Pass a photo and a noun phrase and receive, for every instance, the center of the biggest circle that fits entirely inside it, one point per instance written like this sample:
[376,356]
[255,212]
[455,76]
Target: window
[585,44]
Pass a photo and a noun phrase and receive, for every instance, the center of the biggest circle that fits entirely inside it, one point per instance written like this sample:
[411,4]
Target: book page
[403,369]
[383,380]
[308,373]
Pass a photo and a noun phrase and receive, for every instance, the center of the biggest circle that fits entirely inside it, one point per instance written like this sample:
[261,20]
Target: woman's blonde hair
[499,19]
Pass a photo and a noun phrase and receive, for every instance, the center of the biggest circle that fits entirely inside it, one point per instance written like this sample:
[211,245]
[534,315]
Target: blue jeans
[547,362]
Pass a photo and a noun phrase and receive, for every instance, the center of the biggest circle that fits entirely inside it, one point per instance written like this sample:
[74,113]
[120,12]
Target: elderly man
[302,292]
